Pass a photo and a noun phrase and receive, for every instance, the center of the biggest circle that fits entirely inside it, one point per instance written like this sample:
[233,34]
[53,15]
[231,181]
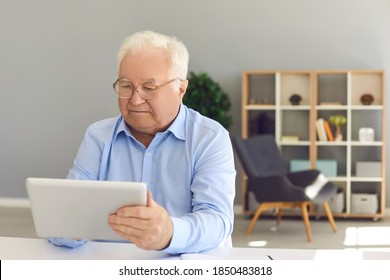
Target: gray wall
[58,61]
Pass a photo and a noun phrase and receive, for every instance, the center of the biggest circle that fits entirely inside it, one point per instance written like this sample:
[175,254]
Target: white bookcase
[266,108]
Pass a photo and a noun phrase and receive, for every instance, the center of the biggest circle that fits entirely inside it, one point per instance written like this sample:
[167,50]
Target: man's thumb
[150,201]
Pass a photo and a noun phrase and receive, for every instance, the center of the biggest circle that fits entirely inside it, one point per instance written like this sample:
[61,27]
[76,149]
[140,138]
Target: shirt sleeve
[88,159]
[213,189]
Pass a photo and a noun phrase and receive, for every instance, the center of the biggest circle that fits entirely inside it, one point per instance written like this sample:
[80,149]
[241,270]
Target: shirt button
[148,154]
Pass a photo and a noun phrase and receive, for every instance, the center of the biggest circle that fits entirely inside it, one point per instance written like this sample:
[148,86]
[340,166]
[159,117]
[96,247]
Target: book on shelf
[320,128]
[292,138]
[328,131]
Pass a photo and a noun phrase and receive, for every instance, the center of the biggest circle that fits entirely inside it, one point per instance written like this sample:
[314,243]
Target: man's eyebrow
[123,79]
[150,80]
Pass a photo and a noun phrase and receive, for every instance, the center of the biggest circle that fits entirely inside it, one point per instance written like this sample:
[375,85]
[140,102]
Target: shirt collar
[123,127]
[178,126]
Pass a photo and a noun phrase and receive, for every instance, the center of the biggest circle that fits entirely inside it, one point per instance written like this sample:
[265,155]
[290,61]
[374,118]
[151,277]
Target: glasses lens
[147,91]
[124,90]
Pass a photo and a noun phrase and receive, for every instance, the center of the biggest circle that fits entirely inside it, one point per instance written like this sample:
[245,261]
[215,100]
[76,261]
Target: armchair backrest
[263,164]
[259,156]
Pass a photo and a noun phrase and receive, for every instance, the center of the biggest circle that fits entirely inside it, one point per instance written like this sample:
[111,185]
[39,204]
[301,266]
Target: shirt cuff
[67,242]
[179,239]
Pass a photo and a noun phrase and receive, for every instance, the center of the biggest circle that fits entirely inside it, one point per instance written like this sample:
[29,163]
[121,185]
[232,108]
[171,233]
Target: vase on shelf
[338,135]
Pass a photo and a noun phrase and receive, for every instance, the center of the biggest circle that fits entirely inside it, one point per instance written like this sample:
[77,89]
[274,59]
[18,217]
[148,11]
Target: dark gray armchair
[274,188]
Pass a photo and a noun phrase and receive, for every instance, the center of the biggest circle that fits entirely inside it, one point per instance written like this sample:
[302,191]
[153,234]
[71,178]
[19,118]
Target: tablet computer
[80,208]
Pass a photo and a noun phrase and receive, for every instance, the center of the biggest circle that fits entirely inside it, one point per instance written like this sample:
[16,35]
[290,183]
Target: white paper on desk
[203,256]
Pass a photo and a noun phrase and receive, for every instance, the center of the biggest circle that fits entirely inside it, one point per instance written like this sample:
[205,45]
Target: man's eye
[125,86]
[149,87]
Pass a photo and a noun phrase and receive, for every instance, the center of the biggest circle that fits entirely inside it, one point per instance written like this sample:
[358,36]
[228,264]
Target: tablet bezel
[80,208]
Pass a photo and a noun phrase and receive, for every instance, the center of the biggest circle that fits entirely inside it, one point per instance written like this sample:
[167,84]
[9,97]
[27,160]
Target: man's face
[150,116]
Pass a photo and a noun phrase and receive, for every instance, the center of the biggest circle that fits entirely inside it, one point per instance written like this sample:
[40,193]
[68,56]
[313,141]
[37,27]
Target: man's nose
[136,99]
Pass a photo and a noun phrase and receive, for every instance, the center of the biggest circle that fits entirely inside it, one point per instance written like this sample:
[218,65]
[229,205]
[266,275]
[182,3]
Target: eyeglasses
[147,91]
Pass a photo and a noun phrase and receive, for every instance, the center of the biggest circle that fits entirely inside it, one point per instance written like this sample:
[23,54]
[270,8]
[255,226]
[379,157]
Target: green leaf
[208,98]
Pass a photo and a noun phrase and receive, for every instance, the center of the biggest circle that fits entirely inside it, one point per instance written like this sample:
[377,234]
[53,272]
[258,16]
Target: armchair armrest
[303,178]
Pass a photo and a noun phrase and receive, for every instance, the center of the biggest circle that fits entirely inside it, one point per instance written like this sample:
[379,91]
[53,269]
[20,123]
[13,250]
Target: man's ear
[183,88]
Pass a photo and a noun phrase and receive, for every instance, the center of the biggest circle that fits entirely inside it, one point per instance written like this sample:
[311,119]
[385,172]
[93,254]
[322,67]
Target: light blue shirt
[189,168]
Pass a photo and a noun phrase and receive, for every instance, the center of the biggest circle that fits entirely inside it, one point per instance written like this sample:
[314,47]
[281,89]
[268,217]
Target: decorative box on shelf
[336,202]
[327,167]
[364,203]
[368,169]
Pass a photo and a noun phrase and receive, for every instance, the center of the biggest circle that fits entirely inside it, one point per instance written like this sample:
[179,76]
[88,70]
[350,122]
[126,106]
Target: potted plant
[338,121]
[208,98]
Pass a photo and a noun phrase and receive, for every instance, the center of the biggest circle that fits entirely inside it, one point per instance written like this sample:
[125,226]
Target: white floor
[352,233]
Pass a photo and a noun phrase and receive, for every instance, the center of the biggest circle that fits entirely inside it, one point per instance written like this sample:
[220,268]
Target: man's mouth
[137,111]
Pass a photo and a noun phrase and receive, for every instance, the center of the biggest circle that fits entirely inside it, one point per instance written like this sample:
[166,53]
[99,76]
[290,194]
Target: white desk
[13,248]
[298,254]
[41,249]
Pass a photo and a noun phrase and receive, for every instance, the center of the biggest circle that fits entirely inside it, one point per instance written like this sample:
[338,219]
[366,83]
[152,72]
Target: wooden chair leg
[330,216]
[255,218]
[305,216]
[279,217]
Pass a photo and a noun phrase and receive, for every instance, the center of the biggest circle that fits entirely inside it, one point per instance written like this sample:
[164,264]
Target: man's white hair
[176,50]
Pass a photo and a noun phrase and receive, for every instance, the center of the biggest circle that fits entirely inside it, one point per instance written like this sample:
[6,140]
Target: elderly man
[185,159]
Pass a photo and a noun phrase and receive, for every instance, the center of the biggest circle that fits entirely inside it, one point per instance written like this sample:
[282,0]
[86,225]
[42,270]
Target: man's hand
[147,227]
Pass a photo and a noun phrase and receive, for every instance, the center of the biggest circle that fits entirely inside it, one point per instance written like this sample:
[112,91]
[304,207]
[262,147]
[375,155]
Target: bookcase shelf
[266,108]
